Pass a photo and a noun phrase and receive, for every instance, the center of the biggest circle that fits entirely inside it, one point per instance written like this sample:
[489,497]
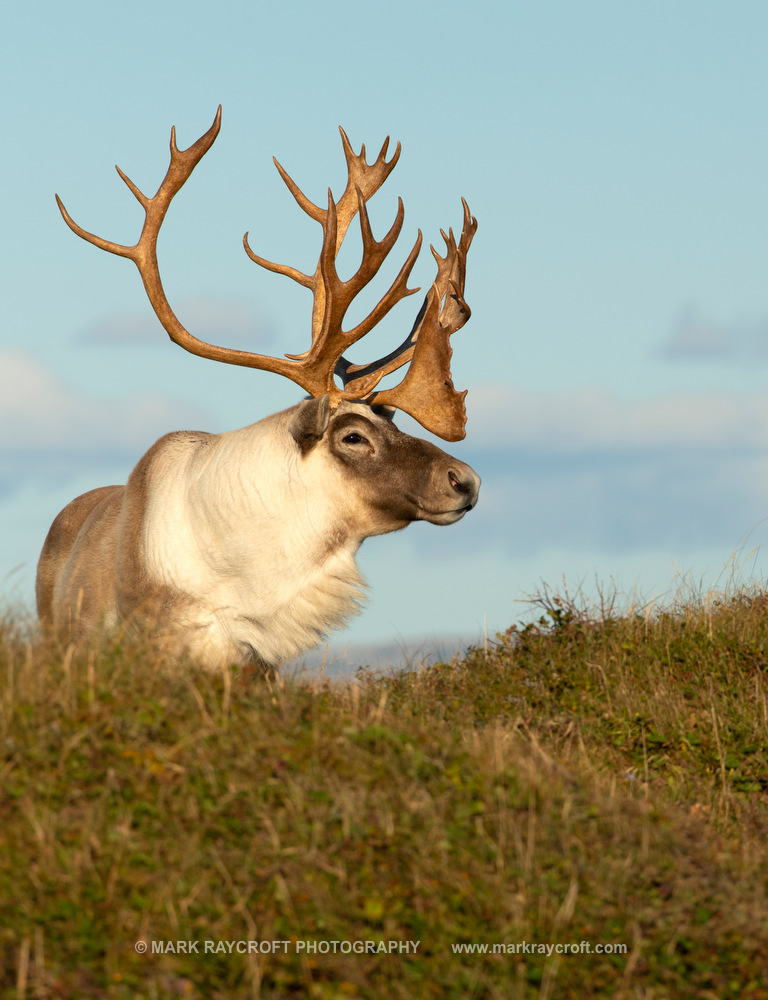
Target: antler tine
[304,203]
[286,269]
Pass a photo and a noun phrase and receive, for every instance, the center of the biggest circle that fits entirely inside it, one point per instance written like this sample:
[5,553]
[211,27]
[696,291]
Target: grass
[593,777]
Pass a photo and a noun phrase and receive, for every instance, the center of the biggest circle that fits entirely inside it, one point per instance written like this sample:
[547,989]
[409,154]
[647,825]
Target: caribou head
[240,546]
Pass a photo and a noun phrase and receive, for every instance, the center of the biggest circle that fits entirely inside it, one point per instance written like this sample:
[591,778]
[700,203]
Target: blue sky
[616,157]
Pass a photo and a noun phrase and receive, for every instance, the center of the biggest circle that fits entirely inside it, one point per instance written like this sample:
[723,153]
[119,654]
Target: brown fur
[103,578]
[67,590]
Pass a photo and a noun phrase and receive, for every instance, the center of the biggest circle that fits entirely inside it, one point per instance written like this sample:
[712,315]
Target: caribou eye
[354,438]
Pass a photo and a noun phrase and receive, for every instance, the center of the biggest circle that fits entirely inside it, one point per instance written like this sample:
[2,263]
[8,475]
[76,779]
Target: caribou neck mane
[249,531]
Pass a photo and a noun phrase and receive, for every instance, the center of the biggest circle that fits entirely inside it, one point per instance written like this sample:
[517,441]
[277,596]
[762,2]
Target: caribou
[239,548]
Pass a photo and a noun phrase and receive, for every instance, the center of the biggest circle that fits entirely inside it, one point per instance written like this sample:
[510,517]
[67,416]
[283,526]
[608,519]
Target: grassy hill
[578,810]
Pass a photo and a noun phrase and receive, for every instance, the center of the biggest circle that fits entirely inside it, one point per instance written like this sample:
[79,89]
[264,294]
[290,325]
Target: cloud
[594,421]
[225,322]
[694,337]
[41,415]
[586,469]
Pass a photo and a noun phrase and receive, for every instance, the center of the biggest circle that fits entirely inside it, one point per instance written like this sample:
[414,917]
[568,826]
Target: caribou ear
[310,422]
[388,412]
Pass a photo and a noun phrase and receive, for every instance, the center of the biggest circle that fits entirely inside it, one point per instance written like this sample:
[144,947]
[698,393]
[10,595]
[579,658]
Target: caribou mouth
[438,513]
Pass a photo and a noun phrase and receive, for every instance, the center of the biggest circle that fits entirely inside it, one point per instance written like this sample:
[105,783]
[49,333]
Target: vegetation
[597,778]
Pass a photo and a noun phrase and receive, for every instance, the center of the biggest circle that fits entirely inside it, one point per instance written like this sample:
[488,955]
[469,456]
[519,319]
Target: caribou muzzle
[452,493]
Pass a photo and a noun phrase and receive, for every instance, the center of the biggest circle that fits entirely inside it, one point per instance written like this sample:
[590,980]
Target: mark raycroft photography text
[223,947]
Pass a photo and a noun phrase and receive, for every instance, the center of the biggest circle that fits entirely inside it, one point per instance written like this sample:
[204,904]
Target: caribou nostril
[458,484]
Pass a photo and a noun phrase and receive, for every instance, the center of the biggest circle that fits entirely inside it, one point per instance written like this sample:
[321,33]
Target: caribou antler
[427,391]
